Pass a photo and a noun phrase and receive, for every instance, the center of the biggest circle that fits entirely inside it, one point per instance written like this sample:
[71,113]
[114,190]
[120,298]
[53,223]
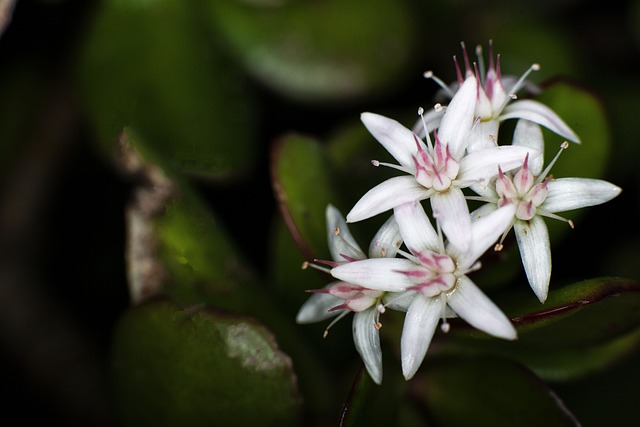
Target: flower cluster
[451,156]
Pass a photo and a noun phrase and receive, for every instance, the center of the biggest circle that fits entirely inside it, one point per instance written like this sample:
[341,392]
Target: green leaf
[151,66]
[194,367]
[488,391]
[582,328]
[323,51]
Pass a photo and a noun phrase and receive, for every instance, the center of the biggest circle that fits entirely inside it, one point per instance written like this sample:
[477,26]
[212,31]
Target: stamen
[516,87]
[429,75]
[554,216]
[377,163]
[340,316]
[307,264]
[544,174]
[499,246]
[480,62]
[348,244]
[426,130]
[444,327]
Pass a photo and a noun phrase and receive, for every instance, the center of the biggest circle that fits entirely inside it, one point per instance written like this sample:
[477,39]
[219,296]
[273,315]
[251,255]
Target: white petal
[529,134]
[367,341]
[458,118]
[387,240]
[485,232]
[387,195]
[471,304]
[395,138]
[481,166]
[399,301]
[415,227]
[342,243]
[483,135]
[316,308]
[382,274]
[537,112]
[535,251]
[452,213]
[573,193]
[483,211]
[418,329]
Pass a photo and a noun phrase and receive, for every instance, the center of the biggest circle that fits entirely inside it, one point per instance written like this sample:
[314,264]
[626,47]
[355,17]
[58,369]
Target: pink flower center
[435,170]
[522,191]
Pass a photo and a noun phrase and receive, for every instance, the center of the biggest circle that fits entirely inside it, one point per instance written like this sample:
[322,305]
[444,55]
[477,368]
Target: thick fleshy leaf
[193,367]
[489,391]
[150,66]
[581,328]
[319,52]
[573,193]
[302,182]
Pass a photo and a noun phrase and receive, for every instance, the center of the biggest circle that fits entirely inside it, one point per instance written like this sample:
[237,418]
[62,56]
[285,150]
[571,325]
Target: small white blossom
[435,275]
[341,298]
[535,195]
[437,171]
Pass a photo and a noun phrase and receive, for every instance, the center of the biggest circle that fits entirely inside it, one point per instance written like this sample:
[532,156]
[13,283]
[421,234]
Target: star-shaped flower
[341,298]
[534,196]
[436,171]
[437,276]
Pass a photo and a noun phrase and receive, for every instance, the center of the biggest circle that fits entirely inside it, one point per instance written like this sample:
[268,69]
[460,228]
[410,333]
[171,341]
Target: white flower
[437,171]
[535,195]
[437,276]
[494,102]
[341,298]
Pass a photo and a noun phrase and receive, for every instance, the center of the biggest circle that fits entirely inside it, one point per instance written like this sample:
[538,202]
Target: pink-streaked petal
[367,341]
[387,240]
[381,274]
[387,195]
[539,113]
[418,329]
[535,250]
[394,137]
[341,241]
[483,135]
[528,134]
[485,232]
[481,166]
[452,213]
[472,305]
[573,193]
[458,118]
[415,227]
[317,307]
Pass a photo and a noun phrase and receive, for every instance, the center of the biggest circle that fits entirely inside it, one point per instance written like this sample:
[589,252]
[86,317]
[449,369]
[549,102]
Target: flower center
[434,274]
[437,169]
[522,191]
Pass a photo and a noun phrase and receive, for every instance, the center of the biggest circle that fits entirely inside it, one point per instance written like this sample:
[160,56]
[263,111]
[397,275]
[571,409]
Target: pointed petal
[483,211]
[395,138]
[528,134]
[415,227]
[539,113]
[535,250]
[573,193]
[452,213]
[387,195]
[483,135]
[316,308]
[472,305]
[398,301]
[481,166]
[387,240]
[367,341]
[485,232]
[341,241]
[382,274]
[458,118]
[418,329]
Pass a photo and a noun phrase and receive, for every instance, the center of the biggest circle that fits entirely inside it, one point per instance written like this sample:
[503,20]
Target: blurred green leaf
[488,391]
[580,329]
[195,367]
[152,66]
[321,51]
